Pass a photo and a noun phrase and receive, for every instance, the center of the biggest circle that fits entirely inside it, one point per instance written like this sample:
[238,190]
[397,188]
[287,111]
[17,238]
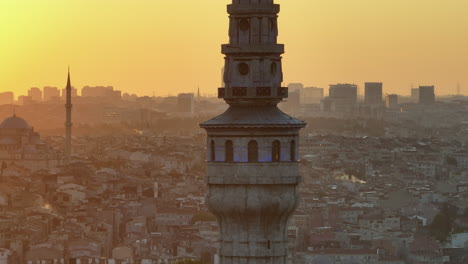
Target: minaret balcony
[253,9]
[254,92]
[264,48]
[253,173]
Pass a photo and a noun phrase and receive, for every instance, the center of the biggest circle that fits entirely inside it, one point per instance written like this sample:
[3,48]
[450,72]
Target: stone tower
[68,122]
[252,148]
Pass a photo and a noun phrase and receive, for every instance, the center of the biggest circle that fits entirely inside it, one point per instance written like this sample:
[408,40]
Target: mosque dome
[14,122]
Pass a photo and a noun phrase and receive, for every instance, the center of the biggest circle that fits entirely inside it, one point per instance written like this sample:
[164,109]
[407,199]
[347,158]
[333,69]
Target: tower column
[253,168]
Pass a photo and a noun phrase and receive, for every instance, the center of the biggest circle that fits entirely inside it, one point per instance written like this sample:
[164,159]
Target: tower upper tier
[253,68]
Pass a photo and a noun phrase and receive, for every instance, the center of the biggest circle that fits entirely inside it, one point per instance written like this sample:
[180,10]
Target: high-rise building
[373,93]
[292,87]
[36,94]
[426,95]
[252,148]
[24,100]
[7,98]
[186,103]
[293,103]
[344,91]
[97,91]
[415,94]
[342,98]
[311,95]
[391,101]
[74,93]
[51,93]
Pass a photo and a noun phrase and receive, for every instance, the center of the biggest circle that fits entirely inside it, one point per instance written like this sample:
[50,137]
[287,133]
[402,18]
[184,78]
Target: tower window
[272,24]
[244,24]
[253,151]
[274,68]
[276,151]
[243,68]
[229,151]
[212,151]
[293,150]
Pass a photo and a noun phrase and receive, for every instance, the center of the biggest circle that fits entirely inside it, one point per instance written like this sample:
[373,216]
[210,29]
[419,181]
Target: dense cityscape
[389,185]
[258,173]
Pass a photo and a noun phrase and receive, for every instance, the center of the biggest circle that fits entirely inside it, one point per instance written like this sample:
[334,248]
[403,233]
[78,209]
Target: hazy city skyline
[102,166]
[135,50]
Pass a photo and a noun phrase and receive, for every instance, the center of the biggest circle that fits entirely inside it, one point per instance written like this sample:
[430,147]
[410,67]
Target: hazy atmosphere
[233,132]
[144,46]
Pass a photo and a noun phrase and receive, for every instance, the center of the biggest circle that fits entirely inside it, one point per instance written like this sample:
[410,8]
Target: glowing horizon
[146,47]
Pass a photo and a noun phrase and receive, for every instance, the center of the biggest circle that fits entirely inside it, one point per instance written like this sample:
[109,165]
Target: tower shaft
[68,120]
[253,169]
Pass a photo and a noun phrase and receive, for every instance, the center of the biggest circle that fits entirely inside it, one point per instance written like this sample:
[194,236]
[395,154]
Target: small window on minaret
[229,154]
[293,150]
[244,24]
[253,151]
[212,151]
[276,151]
[273,68]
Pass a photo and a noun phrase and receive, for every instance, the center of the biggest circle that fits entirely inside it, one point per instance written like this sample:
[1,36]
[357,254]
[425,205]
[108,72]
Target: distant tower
[68,122]
[198,94]
[252,148]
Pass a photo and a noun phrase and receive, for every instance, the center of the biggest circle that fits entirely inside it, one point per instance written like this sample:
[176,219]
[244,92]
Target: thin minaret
[68,122]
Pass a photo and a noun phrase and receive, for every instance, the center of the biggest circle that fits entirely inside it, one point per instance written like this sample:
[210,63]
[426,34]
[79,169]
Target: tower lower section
[253,202]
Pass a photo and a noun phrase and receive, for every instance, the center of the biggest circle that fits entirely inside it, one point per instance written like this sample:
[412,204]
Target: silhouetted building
[342,99]
[391,101]
[292,87]
[186,103]
[21,146]
[129,97]
[293,103]
[51,93]
[326,105]
[74,93]
[107,92]
[311,95]
[426,95]
[373,93]
[35,94]
[7,98]
[24,100]
[415,94]
[344,91]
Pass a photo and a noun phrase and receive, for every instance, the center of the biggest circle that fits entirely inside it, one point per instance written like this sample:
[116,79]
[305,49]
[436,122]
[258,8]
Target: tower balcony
[253,9]
[253,92]
[253,173]
[263,48]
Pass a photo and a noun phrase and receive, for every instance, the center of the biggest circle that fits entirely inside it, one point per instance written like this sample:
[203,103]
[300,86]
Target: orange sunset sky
[172,46]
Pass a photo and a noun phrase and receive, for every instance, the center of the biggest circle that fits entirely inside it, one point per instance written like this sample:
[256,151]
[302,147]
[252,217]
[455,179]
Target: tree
[203,216]
[443,223]
[451,161]
[190,261]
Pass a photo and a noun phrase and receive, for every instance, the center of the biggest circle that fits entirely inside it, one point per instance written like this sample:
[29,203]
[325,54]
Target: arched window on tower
[276,151]
[253,151]
[229,151]
[212,151]
[292,151]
